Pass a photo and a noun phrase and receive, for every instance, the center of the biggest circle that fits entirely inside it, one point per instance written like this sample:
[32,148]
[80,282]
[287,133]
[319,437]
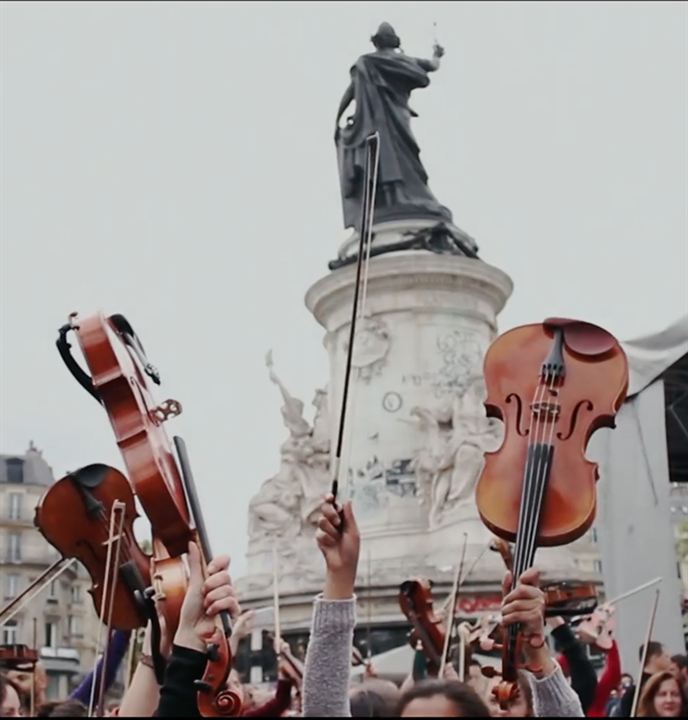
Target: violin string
[528,496]
[540,477]
[371,173]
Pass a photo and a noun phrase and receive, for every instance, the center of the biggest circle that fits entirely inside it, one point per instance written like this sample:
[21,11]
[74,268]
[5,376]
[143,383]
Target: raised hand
[525,604]
[339,541]
[204,599]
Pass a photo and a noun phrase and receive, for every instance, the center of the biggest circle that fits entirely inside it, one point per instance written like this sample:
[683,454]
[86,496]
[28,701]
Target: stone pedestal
[416,433]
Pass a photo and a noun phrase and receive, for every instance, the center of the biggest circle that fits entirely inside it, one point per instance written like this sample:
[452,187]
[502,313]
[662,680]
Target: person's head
[661,697]
[62,708]
[10,704]
[441,698]
[625,682]
[657,659]
[385,38]
[679,667]
[365,702]
[521,706]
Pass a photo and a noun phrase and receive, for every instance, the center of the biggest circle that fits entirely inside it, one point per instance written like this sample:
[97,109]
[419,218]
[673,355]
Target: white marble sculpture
[448,463]
[285,508]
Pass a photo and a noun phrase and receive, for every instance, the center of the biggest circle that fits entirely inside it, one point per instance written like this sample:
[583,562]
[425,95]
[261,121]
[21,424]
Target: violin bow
[648,635]
[107,605]
[451,612]
[277,643]
[372,161]
[32,702]
[37,586]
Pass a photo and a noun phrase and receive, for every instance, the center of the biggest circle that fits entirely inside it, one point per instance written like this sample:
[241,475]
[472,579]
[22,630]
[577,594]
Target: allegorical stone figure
[381,83]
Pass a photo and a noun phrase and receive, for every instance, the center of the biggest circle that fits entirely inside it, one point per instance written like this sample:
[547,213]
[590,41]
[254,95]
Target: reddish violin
[552,384]
[86,497]
[119,380]
[415,600]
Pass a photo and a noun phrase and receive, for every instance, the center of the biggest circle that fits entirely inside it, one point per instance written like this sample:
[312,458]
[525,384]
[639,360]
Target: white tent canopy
[633,524]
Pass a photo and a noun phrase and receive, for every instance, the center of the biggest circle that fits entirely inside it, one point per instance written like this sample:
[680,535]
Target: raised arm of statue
[434,63]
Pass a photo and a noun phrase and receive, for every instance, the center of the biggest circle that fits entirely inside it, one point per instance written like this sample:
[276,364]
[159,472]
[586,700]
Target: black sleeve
[178,693]
[583,675]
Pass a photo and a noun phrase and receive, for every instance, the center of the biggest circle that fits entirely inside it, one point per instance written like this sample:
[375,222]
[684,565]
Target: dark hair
[369,703]
[463,696]
[653,649]
[62,708]
[680,660]
[3,688]
[646,704]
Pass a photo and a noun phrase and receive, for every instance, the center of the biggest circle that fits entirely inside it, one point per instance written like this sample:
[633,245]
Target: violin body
[119,368]
[74,516]
[415,600]
[547,424]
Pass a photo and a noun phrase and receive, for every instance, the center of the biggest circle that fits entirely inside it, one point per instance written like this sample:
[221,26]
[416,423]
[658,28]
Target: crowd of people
[555,676]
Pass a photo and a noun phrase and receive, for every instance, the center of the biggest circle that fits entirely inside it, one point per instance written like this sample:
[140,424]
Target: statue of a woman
[381,83]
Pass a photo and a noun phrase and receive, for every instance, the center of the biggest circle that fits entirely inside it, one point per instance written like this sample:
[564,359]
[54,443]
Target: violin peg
[490,672]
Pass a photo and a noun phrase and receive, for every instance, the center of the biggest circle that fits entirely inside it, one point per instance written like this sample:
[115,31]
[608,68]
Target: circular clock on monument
[391,401]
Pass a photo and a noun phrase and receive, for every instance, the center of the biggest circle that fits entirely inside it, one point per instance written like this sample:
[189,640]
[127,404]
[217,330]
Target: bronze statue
[381,83]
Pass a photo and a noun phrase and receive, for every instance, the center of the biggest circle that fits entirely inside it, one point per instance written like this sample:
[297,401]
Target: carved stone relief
[447,465]
[286,506]
[371,346]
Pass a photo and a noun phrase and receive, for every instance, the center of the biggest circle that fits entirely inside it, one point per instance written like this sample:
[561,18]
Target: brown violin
[119,378]
[552,385]
[415,600]
[74,514]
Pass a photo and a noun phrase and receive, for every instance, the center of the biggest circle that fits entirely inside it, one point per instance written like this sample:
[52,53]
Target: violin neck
[197,516]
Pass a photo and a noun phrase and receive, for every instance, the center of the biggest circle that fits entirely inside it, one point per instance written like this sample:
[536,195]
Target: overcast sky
[174,162]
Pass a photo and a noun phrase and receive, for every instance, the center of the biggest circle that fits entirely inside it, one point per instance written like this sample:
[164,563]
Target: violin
[86,498]
[415,600]
[119,368]
[119,378]
[18,657]
[552,385]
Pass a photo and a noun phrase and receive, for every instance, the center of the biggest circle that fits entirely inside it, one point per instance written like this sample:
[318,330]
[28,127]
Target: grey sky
[175,162]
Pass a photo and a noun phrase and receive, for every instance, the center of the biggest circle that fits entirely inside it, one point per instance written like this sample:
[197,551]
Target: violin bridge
[548,409]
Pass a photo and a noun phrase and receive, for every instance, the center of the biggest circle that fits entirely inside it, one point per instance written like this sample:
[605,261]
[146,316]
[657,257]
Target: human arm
[328,658]
[143,694]
[525,605]
[608,681]
[583,675]
[203,601]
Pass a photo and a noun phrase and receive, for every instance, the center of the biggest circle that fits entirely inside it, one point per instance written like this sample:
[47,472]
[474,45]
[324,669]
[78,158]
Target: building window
[15,547]
[74,626]
[593,535]
[15,506]
[9,633]
[597,565]
[52,591]
[51,635]
[76,593]
[15,470]
[12,586]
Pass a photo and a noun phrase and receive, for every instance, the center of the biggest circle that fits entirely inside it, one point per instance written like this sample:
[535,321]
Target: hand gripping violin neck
[552,384]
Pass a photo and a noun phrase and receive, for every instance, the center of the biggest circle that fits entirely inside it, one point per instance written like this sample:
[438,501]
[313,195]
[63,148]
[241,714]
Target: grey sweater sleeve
[328,659]
[554,697]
